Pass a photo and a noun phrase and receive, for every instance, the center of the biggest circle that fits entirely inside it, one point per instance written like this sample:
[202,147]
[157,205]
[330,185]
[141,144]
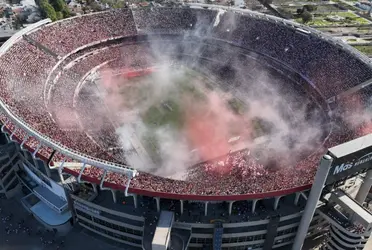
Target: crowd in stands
[70,34]
[169,20]
[24,68]
[71,75]
[330,68]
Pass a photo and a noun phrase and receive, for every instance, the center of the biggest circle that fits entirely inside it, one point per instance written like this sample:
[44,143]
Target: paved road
[28,234]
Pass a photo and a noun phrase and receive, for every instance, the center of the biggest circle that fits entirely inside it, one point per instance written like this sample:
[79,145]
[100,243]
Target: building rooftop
[351,147]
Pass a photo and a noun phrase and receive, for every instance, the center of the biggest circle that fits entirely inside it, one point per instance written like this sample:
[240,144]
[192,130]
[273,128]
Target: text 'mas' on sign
[350,158]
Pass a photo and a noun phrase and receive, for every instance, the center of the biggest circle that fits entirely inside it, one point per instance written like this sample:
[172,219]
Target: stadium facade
[62,191]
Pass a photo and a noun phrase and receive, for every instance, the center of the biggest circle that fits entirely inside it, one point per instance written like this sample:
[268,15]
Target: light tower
[312,201]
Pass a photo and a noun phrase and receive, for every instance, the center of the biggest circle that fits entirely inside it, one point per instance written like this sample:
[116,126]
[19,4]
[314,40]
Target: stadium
[188,127]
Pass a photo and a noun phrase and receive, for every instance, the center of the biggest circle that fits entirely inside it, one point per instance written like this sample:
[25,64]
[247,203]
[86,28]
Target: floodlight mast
[311,203]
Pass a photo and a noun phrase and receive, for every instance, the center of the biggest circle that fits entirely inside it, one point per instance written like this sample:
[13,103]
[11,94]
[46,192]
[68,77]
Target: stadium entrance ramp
[163,231]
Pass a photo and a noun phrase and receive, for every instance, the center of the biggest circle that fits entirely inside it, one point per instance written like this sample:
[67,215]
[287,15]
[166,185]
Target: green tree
[95,6]
[58,5]
[18,23]
[118,5]
[48,10]
[306,17]
[66,12]
[59,15]
[310,7]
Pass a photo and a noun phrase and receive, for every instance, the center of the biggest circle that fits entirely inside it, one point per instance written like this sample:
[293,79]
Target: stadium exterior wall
[253,233]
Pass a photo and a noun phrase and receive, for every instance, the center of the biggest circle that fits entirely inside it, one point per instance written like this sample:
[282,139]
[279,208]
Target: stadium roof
[351,147]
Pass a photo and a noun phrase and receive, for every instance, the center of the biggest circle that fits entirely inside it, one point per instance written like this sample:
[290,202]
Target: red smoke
[208,128]
[208,124]
[135,73]
[66,118]
[365,129]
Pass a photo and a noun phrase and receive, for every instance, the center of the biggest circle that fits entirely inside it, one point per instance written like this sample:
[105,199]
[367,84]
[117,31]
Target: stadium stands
[68,35]
[25,68]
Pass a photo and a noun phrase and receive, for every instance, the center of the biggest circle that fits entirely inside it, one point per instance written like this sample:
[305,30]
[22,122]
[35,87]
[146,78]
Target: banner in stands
[350,164]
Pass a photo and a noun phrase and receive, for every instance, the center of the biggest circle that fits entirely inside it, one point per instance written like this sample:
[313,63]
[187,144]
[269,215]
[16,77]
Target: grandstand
[66,99]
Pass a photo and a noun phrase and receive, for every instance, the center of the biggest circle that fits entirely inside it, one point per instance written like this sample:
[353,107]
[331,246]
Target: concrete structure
[264,219]
[312,201]
[364,188]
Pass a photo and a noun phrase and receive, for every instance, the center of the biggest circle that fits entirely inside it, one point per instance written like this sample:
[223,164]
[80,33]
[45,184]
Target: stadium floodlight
[312,201]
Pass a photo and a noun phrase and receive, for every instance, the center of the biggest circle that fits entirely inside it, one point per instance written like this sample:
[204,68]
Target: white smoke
[173,147]
[175,152]
[208,125]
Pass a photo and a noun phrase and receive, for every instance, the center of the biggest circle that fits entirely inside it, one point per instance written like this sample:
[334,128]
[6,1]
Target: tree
[48,10]
[118,5]
[58,5]
[310,8]
[59,15]
[66,12]
[95,6]
[18,22]
[306,17]
[61,6]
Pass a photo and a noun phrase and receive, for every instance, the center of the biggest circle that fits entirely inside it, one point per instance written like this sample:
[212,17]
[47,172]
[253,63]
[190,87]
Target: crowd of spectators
[24,68]
[70,34]
[168,20]
[70,77]
[206,179]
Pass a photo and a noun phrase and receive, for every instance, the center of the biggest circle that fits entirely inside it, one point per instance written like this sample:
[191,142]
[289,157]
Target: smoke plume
[207,109]
[207,125]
